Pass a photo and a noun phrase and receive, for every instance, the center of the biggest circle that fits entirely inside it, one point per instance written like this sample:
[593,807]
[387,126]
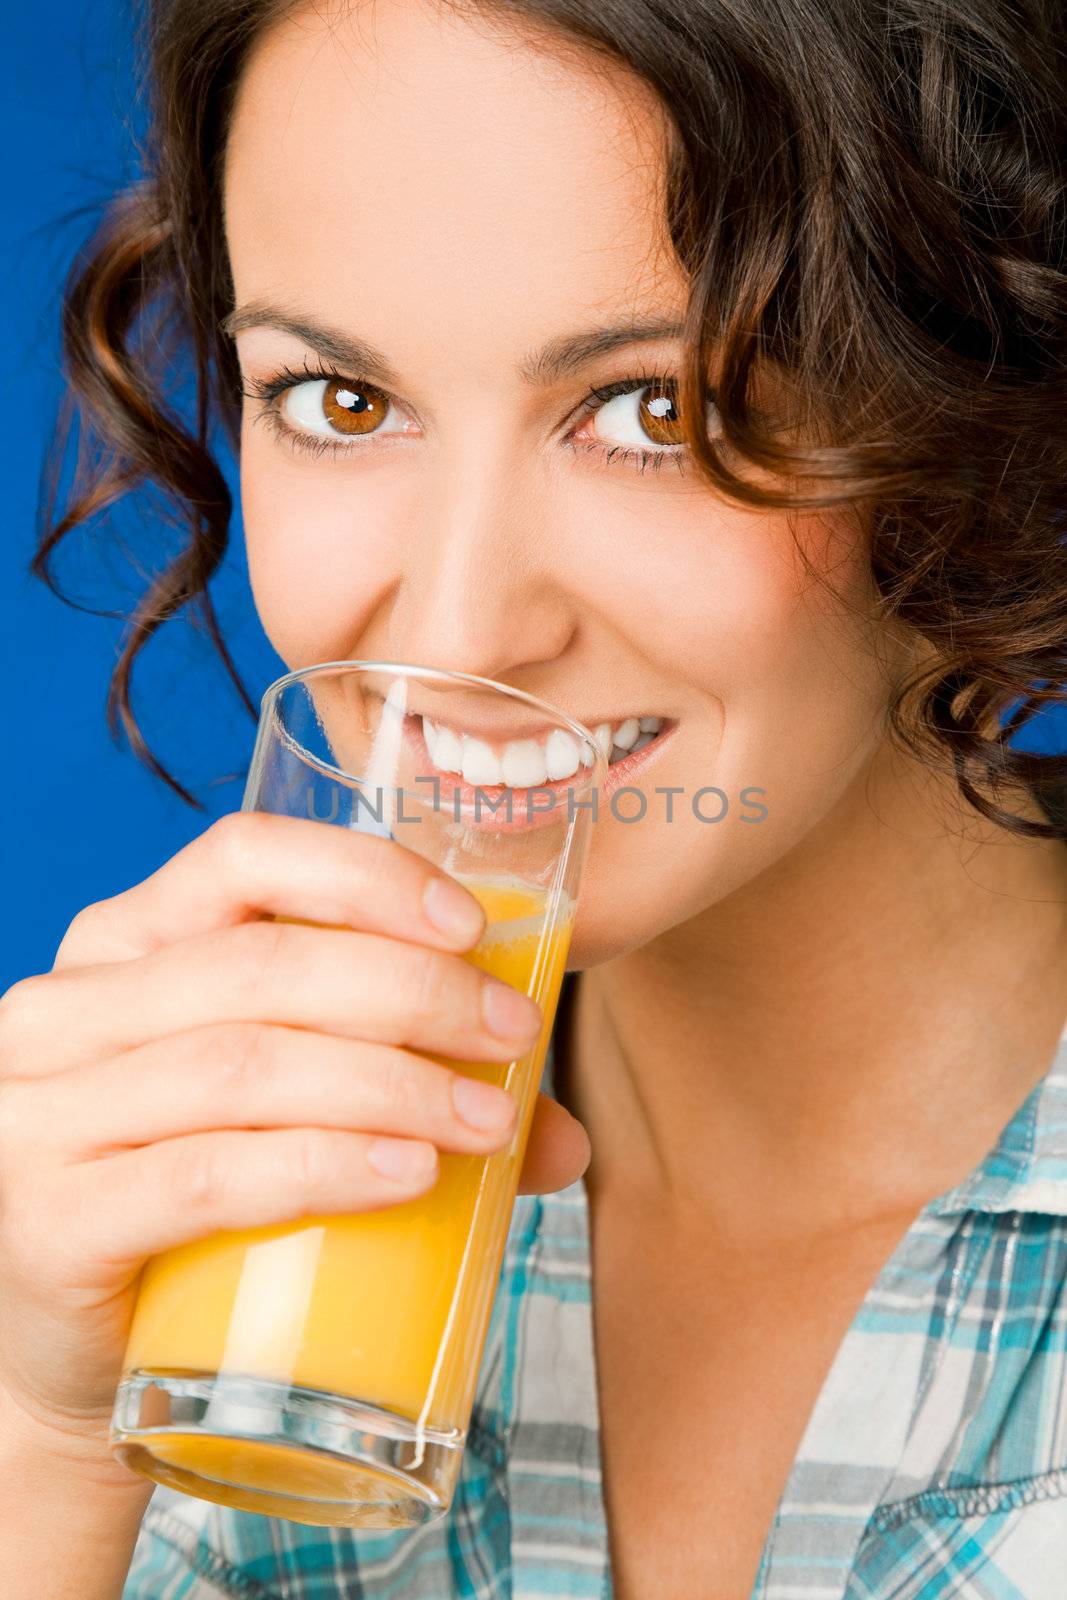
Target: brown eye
[659,416]
[354,407]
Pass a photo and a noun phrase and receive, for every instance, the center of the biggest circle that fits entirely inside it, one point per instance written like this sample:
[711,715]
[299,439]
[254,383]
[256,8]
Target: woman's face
[471,221]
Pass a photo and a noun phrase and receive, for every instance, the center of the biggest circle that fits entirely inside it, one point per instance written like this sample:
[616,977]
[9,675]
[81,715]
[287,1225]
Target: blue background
[82,818]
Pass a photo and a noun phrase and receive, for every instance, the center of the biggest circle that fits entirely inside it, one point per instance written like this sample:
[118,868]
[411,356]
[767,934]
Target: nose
[482,587]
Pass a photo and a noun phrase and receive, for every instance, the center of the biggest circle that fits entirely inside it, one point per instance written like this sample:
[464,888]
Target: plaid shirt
[934,1463]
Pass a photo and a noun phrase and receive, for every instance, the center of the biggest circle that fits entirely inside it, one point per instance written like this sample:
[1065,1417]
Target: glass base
[284,1451]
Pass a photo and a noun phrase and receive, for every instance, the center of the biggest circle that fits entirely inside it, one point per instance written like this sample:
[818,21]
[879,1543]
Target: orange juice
[387,1307]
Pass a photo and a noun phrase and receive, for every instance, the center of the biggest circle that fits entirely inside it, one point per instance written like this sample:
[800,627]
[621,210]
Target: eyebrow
[557,359]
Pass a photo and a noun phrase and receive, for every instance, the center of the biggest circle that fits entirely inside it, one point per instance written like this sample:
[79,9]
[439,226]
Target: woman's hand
[191,1065]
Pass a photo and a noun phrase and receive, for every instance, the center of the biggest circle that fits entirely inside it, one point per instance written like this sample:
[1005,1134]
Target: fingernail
[401,1159]
[483,1105]
[507,1013]
[452,910]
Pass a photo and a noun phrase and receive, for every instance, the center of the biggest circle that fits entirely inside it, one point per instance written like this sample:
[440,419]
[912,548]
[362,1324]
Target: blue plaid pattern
[934,1464]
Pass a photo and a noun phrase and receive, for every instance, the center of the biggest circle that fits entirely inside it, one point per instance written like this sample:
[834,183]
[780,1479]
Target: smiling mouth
[531,762]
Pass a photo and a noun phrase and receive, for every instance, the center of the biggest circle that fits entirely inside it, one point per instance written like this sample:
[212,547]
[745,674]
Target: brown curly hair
[869,199]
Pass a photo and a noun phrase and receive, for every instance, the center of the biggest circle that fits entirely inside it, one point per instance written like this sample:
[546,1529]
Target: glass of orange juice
[324,1370]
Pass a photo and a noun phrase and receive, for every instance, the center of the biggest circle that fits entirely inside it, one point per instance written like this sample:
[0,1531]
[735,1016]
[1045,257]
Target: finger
[132,1205]
[252,864]
[558,1151]
[357,985]
[251,1075]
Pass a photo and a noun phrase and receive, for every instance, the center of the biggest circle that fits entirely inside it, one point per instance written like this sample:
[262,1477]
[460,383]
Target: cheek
[793,632]
[781,689]
[730,602]
[718,596]
[319,555]
[799,663]
[787,648]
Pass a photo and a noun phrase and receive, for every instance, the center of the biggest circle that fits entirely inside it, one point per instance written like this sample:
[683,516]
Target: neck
[841,1039]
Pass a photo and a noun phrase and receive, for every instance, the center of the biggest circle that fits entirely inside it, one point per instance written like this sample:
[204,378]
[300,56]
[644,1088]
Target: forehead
[410,173]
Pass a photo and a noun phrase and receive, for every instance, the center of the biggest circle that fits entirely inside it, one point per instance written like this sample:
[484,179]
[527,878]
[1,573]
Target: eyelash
[269,390]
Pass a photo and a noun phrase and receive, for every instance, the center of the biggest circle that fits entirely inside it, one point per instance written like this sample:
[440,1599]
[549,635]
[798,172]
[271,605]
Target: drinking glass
[324,1370]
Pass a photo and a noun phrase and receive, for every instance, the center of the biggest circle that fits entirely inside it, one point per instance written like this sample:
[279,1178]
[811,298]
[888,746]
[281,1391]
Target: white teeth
[523,764]
[480,766]
[562,754]
[447,750]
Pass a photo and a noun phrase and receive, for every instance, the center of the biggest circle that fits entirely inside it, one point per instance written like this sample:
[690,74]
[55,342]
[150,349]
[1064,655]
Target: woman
[701,365]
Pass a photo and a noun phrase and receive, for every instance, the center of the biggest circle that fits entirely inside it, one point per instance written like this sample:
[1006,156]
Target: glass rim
[409,669]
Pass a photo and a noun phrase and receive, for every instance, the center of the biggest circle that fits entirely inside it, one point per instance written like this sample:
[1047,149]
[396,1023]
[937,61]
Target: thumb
[557,1152]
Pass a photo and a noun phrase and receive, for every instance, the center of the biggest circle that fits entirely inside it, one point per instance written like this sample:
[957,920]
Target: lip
[500,734]
[620,772]
[458,794]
